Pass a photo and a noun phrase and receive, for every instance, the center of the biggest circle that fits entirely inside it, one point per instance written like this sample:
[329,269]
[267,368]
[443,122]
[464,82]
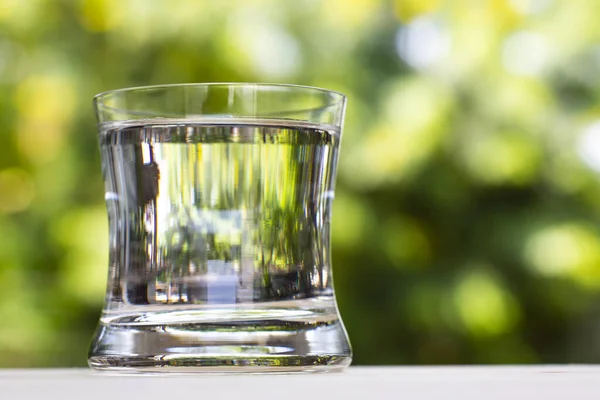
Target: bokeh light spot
[502,158]
[101,15]
[85,233]
[422,43]
[349,14]
[21,15]
[46,97]
[485,307]
[524,101]
[588,146]
[7,7]
[530,6]
[526,53]
[16,190]
[46,104]
[565,250]
[39,142]
[415,112]
[269,49]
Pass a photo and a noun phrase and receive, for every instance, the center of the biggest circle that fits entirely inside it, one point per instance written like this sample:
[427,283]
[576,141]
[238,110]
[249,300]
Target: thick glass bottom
[189,342]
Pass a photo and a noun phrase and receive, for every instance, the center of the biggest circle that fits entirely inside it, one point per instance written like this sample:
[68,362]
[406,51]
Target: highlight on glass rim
[463,228]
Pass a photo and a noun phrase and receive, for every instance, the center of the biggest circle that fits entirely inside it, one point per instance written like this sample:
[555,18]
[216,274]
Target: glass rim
[340,96]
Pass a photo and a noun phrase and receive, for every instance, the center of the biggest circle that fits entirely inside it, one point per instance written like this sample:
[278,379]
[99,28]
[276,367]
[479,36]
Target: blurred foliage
[466,223]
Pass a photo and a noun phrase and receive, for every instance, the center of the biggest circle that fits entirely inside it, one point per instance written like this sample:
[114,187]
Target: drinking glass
[219,206]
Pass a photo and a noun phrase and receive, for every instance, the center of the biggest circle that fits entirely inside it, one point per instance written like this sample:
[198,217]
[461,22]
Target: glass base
[314,343]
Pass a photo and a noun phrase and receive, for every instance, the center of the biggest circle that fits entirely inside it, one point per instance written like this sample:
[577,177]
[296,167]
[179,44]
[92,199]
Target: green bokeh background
[466,220]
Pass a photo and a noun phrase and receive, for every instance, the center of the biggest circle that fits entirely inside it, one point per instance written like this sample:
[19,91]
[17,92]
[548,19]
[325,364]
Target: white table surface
[464,383]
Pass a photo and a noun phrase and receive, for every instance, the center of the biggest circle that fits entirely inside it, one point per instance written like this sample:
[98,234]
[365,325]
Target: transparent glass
[219,204]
